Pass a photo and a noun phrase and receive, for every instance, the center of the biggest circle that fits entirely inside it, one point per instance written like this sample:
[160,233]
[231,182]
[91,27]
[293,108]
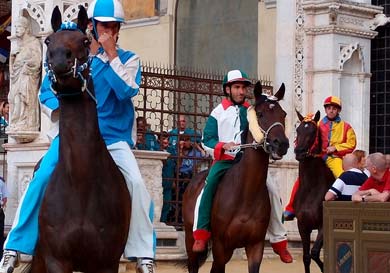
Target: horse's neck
[310,169]
[79,128]
[254,161]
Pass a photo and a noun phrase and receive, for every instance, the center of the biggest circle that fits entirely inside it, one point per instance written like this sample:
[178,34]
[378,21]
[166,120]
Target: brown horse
[85,214]
[241,207]
[315,179]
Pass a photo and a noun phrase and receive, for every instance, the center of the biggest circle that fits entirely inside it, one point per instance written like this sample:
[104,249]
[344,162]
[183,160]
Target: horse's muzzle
[278,148]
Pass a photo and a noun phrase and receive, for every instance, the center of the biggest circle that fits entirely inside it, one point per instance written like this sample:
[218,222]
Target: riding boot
[280,248]
[289,213]
[9,261]
[201,237]
[145,265]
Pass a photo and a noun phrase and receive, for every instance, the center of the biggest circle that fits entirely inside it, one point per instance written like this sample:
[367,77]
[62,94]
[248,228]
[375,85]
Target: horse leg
[38,264]
[221,257]
[112,269]
[305,236]
[254,253]
[316,249]
[194,260]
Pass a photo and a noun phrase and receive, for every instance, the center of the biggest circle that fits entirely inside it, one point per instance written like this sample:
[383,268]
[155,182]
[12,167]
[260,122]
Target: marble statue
[25,72]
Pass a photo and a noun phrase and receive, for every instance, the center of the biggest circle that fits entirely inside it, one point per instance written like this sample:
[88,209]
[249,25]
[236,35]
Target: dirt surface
[273,265]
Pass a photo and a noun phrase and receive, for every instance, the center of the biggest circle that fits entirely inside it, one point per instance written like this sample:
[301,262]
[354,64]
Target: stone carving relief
[25,75]
[333,13]
[299,57]
[346,53]
[379,20]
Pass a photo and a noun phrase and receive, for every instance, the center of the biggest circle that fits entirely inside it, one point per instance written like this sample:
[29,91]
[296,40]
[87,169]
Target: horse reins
[263,143]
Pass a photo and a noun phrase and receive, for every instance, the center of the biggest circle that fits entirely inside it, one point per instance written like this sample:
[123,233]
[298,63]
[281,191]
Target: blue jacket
[115,84]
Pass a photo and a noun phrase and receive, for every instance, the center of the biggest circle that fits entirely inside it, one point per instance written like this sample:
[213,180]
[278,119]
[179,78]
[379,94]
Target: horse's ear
[300,117]
[258,90]
[317,116]
[56,19]
[280,93]
[82,19]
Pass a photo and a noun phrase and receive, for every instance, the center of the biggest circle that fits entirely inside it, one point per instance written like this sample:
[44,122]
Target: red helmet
[333,100]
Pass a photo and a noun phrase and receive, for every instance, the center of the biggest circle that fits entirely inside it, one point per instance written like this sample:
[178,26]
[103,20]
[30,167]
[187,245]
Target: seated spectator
[146,139]
[361,156]
[168,174]
[182,129]
[348,182]
[377,187]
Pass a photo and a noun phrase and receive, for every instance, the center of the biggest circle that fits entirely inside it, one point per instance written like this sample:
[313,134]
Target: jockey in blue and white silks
[116,81]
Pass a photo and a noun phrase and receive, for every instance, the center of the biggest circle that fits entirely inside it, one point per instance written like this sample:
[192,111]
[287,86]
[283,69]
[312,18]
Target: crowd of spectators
[365,179]
[187,157]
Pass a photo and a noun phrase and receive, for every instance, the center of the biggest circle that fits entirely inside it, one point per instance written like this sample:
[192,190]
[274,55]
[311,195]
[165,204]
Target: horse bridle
[310,151]
[76,72]
[264,143]
[76,69]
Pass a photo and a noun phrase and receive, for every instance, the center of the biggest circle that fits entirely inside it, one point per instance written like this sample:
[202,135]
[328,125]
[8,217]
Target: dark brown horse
[241,207]
[85,214]
[315,179]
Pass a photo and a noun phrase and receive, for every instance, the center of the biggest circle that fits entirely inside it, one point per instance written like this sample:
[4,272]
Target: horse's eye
[87,42]
[306,125]
[259,114]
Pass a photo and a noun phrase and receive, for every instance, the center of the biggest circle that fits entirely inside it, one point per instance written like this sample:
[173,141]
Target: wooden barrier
[356,237]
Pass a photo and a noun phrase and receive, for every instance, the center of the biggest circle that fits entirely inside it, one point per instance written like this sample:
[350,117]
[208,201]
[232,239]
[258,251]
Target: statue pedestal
[21,160]
[23,136]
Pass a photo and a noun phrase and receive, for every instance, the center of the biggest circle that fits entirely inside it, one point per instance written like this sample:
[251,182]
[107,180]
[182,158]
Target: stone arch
[352,86]
[351,52]
[37,13]
[70,12]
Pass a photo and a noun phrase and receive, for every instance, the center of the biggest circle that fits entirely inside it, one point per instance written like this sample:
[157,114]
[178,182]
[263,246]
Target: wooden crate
[356,237]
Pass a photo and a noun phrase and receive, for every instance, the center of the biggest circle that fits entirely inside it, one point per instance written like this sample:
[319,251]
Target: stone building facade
[317,48]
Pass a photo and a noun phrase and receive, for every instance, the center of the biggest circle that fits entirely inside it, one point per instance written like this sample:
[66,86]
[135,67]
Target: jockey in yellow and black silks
[338,139]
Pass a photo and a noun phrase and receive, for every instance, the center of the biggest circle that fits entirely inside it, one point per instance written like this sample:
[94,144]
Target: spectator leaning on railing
[377,187]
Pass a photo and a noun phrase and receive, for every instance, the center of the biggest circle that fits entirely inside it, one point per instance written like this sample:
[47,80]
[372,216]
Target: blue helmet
[106,11]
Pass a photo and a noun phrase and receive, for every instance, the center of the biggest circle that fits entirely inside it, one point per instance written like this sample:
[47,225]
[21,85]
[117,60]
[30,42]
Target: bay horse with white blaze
[241,206]
[85,214]
[315,178]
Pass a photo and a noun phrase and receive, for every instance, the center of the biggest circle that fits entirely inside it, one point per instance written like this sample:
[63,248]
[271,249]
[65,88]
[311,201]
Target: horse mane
[318,145]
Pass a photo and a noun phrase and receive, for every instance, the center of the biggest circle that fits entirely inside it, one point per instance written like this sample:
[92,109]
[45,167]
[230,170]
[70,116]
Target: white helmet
[106,11]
